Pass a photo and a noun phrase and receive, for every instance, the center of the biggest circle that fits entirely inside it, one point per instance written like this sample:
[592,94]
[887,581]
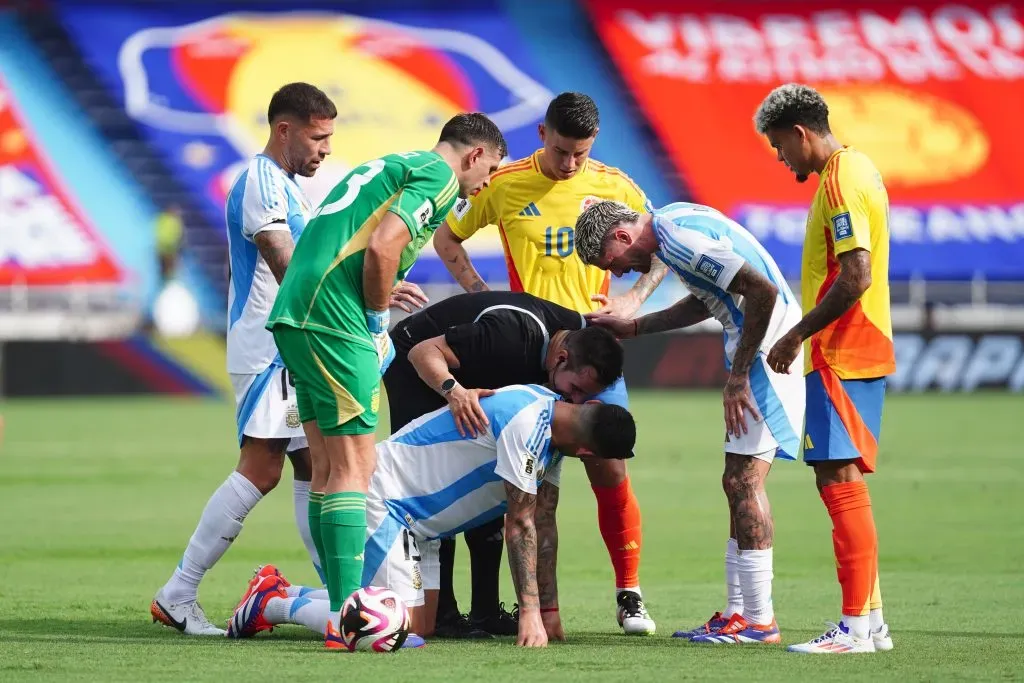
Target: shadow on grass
[108,630]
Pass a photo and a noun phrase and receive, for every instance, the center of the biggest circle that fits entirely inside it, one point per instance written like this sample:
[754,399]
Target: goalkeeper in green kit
[331,318]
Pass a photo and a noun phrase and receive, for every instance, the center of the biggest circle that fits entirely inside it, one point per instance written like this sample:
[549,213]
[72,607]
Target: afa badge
[291,418]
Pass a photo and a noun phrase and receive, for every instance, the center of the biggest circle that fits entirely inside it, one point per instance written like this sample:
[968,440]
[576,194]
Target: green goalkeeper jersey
[322,290]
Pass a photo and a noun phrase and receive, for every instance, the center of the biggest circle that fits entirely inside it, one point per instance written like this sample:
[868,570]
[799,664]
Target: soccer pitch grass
[98,500]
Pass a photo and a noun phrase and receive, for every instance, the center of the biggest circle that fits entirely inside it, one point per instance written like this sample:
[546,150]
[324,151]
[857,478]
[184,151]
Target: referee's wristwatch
[447,386]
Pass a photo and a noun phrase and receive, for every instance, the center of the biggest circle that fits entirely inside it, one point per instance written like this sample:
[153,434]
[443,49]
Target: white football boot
[632,615]
[837,640]
[187,617]
[882,639]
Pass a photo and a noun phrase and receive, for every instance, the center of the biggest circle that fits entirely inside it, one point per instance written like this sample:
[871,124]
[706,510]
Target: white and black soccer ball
[374,619]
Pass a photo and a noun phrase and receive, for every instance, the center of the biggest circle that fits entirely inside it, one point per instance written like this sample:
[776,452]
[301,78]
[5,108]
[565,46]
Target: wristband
[544,610]
[377,321]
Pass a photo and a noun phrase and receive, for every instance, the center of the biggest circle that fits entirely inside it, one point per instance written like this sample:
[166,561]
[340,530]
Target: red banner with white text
[45,239]
[933,92]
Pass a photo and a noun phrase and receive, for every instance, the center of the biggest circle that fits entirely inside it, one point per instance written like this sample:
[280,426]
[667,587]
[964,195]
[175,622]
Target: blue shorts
[844,418]
[615,394]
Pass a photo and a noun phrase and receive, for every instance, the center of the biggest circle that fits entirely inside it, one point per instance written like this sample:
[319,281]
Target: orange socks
[856,544]
[618,516]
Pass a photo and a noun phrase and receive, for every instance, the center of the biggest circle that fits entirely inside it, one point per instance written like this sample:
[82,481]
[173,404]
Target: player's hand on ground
[553,626]
[620,327]
[531,629]
[736,399]
[470,418]
[784,352]
[623,306]
[407,296]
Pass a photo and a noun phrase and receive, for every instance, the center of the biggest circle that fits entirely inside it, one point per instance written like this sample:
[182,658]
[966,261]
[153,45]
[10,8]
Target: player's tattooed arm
[760,295]
[649,281]
[276,247]
[687,311]
[449,247]
[521,539]
[547,545]
[854,279]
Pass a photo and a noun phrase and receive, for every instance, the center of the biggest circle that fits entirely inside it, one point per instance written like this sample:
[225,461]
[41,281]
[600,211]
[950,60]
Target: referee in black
[458,351]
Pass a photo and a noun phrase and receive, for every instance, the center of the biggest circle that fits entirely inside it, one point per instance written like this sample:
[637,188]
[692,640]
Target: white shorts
[265,407]
[780,399]
[395,559]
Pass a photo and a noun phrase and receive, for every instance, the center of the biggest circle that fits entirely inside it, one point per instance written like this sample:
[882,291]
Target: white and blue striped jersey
[706,249]
[438,484]
[263,197]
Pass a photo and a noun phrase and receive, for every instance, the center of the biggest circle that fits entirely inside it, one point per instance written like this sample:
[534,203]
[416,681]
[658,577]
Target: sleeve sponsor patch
[842,228]
[461,208]
[424,213]
[709,267]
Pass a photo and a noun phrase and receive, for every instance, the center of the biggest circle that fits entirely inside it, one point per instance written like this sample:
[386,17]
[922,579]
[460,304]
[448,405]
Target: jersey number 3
[354,183]
[561,242]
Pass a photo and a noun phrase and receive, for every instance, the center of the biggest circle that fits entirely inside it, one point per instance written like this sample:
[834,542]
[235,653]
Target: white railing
[77,311]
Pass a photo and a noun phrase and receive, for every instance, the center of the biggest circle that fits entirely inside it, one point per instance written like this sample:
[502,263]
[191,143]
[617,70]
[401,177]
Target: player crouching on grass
[732,278]
[432,483]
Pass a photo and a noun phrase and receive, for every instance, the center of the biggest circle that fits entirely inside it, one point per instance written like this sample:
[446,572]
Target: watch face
[448,385]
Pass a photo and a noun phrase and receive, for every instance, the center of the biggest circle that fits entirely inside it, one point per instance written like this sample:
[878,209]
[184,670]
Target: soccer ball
[374,619]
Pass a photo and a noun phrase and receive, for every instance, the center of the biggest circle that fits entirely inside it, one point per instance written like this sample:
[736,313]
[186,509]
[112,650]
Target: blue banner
[198,79]
[935,242]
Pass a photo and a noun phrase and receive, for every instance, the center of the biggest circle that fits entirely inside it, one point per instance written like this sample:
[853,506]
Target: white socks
[859,627]
[733,591]
[294,591]
[303,611]
[755,575]
[877,621]
[219,525]
[748,583]
[300,498]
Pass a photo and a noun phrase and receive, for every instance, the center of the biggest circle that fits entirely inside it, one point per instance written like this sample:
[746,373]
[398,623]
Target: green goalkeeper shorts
[337,382]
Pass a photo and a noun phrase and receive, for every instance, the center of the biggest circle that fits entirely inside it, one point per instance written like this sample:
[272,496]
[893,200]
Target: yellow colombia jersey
[850,211]
[536,218]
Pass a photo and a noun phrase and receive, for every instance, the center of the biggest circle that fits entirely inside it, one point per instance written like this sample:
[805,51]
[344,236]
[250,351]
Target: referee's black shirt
[500,338]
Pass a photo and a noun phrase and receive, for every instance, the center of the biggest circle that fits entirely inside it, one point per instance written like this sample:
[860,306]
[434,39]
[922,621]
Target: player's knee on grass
[261,461]
[831,472]
[605,473]
[301,465]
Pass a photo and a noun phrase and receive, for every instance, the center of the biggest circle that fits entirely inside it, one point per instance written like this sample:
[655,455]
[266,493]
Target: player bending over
[432,482]
[847,333]
[266,213]
[330,320]
[535,202]
[732,278]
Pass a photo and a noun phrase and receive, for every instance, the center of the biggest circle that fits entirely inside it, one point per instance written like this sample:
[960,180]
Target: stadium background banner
[45,238]
[960,362]
[933,92]
[198,79]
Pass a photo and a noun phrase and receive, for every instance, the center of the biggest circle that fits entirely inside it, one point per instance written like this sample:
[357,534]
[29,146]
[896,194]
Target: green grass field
[98,499]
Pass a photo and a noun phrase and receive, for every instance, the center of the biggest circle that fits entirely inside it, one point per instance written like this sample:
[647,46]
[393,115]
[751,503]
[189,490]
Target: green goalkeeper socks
[315,502]
[343,529]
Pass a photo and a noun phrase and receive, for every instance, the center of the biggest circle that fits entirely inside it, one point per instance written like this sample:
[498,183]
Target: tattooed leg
[750,515]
